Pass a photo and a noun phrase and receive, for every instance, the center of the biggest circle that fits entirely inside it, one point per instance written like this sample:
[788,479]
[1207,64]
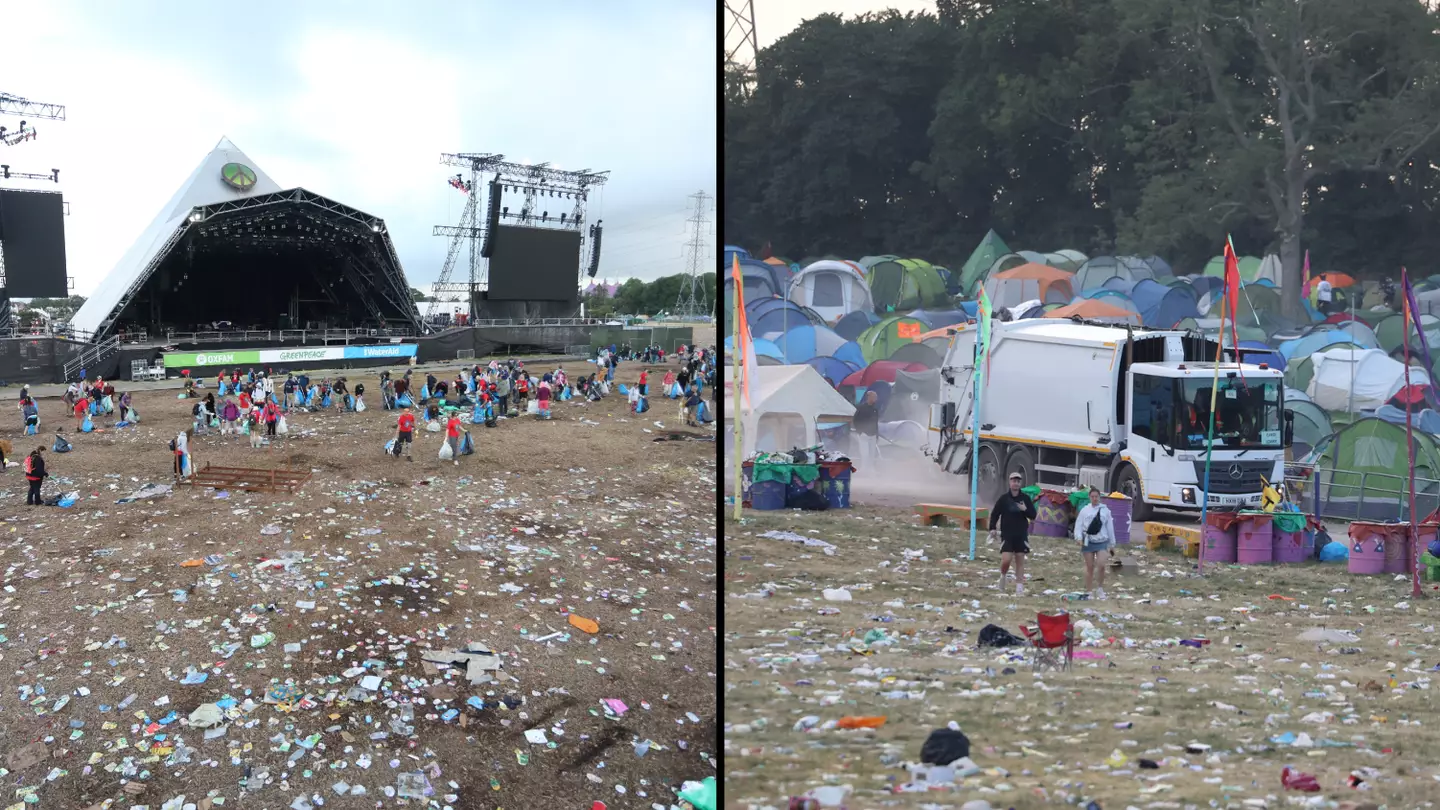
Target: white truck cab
[1075,404]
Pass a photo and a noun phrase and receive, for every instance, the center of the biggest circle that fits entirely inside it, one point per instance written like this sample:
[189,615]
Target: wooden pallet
[248,479]
[938,514]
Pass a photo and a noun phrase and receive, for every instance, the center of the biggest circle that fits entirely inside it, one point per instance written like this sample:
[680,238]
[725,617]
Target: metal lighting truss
[12,104]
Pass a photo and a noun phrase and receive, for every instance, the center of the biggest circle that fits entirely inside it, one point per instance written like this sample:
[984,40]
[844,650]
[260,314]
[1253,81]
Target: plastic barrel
[767,495]
[1367,548]
[1289,547]
[1219,544]
[1120,512]
[796,488]
[1426,533]
[1052,515]
[1255,540]
[835,483]
[1397,550]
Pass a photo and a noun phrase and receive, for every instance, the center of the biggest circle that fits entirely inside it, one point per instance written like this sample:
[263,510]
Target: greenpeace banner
[270,357]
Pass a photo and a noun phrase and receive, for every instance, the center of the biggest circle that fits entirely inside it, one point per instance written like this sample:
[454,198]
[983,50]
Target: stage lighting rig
[25,133]
[6,174]
[11,104]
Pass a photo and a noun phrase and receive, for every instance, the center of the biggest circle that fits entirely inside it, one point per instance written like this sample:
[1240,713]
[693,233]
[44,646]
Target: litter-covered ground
[533,628]
[1185,692]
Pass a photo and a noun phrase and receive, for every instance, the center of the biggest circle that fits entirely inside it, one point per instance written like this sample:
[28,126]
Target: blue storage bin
[767,495]
[835,484]
[796,488]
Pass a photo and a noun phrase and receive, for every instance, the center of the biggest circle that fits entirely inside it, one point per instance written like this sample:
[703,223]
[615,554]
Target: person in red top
[82,407]
[453,430]
[405,433]
[522,390]
[644,382]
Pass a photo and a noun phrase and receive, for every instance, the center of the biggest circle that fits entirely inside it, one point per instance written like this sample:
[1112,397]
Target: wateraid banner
[272,357]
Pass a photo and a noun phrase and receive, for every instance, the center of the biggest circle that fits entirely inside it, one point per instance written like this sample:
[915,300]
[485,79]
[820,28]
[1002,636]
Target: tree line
[1108,126]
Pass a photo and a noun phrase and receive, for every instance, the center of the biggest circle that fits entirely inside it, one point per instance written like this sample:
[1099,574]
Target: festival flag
[1412,308]
[742,333]
[1305,277]
[1232,287]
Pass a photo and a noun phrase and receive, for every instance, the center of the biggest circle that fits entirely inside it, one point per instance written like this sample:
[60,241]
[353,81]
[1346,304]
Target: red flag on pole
[1232,289]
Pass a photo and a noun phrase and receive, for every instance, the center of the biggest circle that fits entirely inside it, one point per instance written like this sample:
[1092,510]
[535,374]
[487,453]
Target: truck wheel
[1127,481]
[1021,460]
[991,466]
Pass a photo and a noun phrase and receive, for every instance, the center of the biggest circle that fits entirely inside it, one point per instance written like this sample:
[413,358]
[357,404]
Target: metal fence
[1367,496]
[579,349]
[302,335]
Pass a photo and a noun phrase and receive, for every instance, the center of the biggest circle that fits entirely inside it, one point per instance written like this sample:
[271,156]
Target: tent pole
[1210,442]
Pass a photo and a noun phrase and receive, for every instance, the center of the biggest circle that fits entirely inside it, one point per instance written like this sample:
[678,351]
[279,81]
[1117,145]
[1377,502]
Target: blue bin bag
[87,426]
[60,445]
[390,448]
[349,402]
[224,389]
[404,401]
[642,405]
[325,402]
[1334,552]
[622,389]
[424,392]
[467,444]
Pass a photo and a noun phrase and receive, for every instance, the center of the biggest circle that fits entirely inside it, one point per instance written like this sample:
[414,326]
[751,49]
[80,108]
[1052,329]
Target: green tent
[1249,267]
[900,285]
[991,248]
[1368,469]
[1254,299]
[1312,425]
[883,339]
[1391,332]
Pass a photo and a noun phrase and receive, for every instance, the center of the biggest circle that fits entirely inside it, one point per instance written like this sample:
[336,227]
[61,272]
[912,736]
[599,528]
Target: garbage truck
[1070,404]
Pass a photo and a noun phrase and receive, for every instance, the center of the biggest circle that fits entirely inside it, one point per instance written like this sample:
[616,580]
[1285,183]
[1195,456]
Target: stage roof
[228,199]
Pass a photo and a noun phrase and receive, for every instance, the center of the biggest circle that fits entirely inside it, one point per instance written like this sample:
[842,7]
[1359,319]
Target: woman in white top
[1095,529]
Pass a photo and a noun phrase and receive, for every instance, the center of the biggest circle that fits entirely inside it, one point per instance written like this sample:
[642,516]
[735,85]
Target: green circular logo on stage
[238,175]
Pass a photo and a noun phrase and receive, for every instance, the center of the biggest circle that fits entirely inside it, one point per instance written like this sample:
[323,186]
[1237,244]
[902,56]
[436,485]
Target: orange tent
[1337,280]
[1029,281]
[1092,309]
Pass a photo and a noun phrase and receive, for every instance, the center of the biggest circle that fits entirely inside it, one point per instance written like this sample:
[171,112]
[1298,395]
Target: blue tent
[1313,342]
[938,318]
[831,369]
[807,341]
[970,308]
[1160,306]
[775,315]
[854,324]
[763,348]
[1255,351]
[762,280]
[731,251]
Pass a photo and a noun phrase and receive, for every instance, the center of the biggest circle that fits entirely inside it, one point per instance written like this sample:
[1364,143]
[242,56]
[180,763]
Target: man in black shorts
[1013,512]
[404,433]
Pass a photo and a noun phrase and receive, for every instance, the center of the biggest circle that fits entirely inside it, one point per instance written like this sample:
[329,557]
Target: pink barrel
[1219,544]
[1120,512]
[1289,547]
[1397,550]
[1052,515]
[1255,539]
[1367,548]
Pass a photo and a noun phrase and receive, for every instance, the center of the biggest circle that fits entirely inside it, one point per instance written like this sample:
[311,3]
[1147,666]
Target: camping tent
[918,352]
[805,341]
[991,248]
[1249,268]
[762,280]
[911,396]
[881,340]
[1376,377]
[1161,307]
[1390,332]
[777,315]
[1312,426]
[831,289]
[897,285]
[1094,273]
[1029,281]
[1314,341]
[1093,309]
[1368,465]
[763,348]
[853,325]
[786,403]
[1257,352]
[1067,260]
[831,369]
[880,371]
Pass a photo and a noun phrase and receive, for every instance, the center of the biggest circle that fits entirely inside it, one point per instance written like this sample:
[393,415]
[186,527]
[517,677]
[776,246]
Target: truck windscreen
[1247,413]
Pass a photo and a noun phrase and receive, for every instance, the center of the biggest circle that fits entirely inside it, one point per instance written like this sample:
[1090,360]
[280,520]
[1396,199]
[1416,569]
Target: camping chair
[1052,641]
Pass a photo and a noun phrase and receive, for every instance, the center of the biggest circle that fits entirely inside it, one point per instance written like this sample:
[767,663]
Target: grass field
[1046,740]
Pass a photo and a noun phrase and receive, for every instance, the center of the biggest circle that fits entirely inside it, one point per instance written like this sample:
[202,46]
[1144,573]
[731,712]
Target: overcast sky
[356,101]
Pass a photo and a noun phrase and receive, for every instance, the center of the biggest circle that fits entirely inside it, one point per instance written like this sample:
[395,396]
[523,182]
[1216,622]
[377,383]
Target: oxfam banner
[267,357]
